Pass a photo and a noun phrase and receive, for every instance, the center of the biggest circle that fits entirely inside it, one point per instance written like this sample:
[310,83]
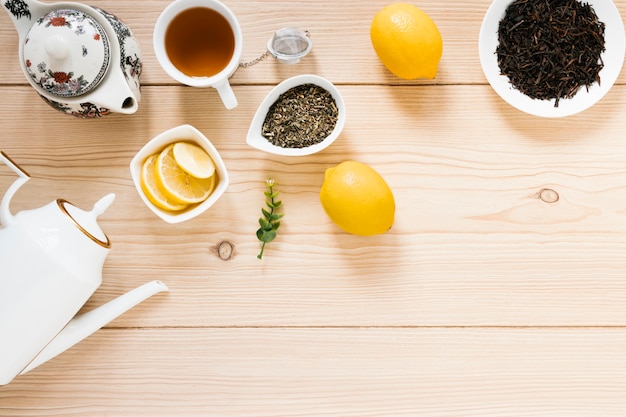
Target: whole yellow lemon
[357,199]
[407,41]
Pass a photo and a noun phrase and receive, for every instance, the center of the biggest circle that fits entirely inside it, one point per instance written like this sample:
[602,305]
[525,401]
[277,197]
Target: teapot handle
[5,214]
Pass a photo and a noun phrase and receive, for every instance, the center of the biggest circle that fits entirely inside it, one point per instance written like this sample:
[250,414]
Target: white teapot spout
[120,97]
[86,324]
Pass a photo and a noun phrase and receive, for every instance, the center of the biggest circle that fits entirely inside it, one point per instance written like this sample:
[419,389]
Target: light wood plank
[331,372]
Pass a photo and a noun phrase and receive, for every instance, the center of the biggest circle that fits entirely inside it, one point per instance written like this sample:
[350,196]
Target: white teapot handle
[5,214]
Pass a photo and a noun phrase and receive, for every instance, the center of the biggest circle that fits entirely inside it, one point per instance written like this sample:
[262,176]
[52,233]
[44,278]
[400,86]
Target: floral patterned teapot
[81,60]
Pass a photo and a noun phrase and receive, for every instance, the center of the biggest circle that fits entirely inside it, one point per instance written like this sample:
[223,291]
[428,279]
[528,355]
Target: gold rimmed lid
[86,221]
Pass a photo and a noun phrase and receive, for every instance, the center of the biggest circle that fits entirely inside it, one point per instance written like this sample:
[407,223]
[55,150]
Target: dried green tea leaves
[549,49]
[302,116]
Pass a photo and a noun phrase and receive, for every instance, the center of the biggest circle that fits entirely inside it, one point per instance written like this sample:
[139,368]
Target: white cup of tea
[199,43]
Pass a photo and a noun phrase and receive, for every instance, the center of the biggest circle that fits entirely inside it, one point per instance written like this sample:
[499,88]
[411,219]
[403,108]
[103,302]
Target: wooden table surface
[484,299]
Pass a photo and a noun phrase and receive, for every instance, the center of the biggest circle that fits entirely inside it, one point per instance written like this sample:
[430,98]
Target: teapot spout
[88,323]
[118,94]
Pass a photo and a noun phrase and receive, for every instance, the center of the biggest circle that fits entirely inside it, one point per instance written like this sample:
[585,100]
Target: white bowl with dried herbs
[300,116]
[552,60]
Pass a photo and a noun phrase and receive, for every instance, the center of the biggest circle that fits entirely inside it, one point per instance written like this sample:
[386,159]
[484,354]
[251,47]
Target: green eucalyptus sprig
[270,222]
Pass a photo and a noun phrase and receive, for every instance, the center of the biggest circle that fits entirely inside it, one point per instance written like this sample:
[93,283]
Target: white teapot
[81,60]
[51,262]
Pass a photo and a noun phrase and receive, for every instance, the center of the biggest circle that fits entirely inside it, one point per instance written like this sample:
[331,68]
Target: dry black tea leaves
[302,116]
[549,49]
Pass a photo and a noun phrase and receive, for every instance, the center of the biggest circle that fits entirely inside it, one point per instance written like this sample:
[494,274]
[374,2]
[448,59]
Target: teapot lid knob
[56,47]
[103,204]
[67,53]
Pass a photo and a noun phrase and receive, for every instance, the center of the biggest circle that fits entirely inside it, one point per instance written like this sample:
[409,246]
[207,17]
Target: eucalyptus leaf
[270,221]
[268,236]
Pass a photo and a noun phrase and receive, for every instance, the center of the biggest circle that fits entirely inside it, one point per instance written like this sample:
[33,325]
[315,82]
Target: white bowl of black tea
[300,116]
[552,59]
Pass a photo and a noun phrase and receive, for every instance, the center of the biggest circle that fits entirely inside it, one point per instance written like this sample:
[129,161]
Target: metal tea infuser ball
[288,45]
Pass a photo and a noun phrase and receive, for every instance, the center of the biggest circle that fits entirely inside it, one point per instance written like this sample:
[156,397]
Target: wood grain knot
[548,195]
[225,250]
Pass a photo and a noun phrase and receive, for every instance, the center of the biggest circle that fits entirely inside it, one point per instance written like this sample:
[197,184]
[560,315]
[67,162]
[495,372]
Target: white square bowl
[186,133]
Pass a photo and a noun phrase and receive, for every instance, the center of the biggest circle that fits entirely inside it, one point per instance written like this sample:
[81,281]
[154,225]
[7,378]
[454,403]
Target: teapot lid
[86,221]
[67,52]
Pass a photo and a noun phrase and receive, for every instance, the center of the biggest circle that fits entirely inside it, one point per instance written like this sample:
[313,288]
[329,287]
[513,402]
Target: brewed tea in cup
[199,43]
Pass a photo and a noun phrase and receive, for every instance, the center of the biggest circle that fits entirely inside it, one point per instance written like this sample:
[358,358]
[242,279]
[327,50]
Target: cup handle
[226,94]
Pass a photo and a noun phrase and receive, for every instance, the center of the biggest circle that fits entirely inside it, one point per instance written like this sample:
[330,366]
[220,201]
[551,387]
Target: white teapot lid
[67,52]
[87,220]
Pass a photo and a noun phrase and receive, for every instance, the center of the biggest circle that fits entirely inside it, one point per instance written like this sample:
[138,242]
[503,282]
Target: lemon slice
[177,184]
[194,160]
[152,191]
